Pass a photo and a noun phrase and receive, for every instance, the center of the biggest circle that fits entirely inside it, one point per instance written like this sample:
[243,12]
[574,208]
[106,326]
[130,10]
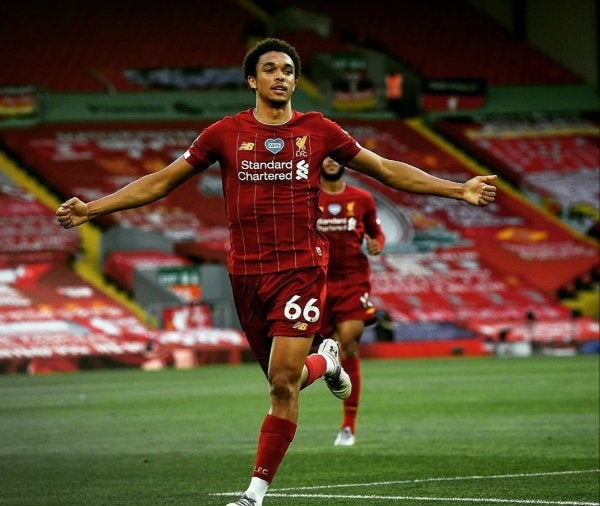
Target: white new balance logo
[302,170]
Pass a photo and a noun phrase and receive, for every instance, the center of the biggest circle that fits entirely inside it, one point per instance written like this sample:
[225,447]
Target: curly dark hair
[264,46]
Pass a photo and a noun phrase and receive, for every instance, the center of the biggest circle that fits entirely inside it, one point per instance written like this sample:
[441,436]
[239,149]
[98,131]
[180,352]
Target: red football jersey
[346,217]
[270,179]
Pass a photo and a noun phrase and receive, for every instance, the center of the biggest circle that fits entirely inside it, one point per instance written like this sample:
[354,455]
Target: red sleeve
[204,150]
[341,146]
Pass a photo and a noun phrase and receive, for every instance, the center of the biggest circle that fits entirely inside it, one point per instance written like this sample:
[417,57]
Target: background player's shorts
[288,303]
[346,301]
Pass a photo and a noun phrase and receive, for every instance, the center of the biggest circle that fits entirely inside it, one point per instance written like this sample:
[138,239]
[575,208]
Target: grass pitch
[465,431]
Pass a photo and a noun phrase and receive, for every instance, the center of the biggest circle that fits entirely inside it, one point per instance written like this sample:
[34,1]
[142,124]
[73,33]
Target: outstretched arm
[477,191]
[140,192]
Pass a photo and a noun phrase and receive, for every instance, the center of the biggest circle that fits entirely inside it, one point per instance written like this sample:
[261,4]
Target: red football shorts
[288,303]
[345,302]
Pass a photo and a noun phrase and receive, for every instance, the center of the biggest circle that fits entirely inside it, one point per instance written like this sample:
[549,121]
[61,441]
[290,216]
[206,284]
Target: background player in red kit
[270,158]
[348,218]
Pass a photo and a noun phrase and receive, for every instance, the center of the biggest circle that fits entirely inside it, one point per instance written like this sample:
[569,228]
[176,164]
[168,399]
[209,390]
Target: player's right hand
[71,213]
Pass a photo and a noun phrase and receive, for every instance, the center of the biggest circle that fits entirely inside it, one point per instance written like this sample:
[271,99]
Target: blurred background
[95,94]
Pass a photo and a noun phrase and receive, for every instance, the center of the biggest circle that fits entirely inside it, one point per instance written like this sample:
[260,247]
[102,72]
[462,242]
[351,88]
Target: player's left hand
[478,191]
[372,246]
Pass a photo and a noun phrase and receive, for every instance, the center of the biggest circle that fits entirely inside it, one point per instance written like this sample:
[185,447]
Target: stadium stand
[120,265]
[459,267]
[85,46]
[28,228]
[55,319]
[441,39]
[90,45]
[501,273]
[553,159]
[452,280]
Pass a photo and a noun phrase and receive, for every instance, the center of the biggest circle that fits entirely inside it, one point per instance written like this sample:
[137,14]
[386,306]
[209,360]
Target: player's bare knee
[283,386]
[351,349]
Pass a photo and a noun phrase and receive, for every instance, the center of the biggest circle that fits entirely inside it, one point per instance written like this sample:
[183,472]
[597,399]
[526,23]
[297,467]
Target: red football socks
[316,365]
[275,437]
[352,367]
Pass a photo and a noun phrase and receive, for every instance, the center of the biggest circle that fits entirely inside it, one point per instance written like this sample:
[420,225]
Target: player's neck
[333,186]
[270,115]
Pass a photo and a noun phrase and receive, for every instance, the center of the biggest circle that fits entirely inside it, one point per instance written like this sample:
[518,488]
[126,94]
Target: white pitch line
[281,492]
[427,480]
[477,500]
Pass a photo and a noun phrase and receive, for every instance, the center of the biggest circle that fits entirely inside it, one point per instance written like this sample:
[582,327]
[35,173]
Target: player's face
[275,78]
[331,170]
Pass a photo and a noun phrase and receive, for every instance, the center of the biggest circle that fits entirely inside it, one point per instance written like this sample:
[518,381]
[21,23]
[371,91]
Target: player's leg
[347,309]
[286,365]
[289,367]
[253,316]
[288,372]
[336,378]
[349,333]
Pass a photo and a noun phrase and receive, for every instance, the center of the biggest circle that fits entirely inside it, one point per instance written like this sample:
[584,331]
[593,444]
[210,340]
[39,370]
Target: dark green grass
[430,432]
